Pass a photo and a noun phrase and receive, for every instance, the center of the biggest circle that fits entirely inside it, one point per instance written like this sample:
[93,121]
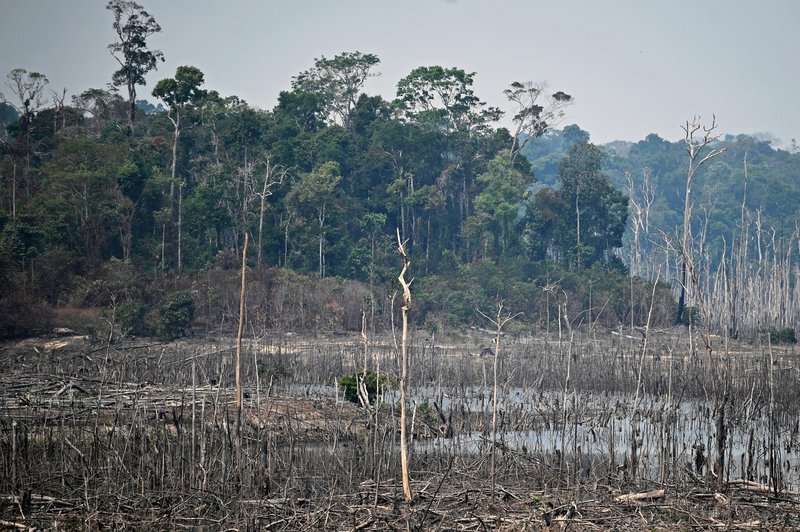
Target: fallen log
[642,496]
[750,485]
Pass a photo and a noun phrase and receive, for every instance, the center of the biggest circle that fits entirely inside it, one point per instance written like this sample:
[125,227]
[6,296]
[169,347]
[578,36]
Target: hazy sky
[634,67]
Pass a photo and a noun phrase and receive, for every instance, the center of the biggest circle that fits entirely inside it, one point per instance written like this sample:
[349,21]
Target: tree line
[166,191]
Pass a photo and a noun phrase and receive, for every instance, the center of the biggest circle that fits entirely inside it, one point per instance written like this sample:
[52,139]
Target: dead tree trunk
[404,457]
[274,175]
[499,321]
[694,148]
[240,330]
[238,442]
[690,273]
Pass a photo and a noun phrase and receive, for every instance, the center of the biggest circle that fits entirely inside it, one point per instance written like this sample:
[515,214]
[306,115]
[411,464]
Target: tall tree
[338,81]
[132,25]
[444,97]
[590,213]
[179,93]
[274,174]
[26,98]
[406,308]
[696,138]
[27,90]
[457,125]
[316,189]
[102,107]
[536,112]
[498,205]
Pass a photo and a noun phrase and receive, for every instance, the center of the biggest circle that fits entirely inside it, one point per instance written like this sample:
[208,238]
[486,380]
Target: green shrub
[691,315]
[372,381]
[133,318]
[177,315]
[785,335]
[272,370]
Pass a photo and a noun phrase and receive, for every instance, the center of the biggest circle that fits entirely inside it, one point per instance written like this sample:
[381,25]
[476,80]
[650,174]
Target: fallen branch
[751,485]
[9,524]
[646,495]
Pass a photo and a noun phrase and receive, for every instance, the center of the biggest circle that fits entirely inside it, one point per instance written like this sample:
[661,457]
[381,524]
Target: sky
[634,67]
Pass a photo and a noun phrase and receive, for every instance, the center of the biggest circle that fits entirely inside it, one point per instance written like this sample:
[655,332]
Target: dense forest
[750,174]
[130,212]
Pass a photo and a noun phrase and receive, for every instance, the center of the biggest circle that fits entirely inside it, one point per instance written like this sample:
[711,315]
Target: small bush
[372,381]
[691,315]
[132,319]
[785,335]
[21,316]
[177,315]
[272,370]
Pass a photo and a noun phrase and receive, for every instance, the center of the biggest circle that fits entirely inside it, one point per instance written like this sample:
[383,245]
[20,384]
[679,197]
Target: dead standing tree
[719,376]
[499,321]
[404,458]
[238,373]
[274,175]
[694,147]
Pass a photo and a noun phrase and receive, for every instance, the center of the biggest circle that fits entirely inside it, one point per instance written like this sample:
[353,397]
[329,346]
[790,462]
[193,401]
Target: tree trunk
[239,362]
[682,298]
[721,437]
[14,191]
[261,226]
[180,218]
[321,219]
[404,453]
[578,226]
[239,332]
[163,249]
[131,106]
[173,172]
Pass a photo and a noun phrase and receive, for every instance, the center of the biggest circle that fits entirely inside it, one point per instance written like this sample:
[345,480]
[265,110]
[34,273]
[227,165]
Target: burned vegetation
[587,428]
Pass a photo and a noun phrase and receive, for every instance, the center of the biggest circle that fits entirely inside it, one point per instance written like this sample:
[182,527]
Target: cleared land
[592,432]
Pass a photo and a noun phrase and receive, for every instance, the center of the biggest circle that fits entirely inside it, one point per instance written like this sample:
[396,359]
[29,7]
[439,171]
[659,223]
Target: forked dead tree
[696,144]
[499,321]
[695,147]
[640,202]
[274,175]
[404,458]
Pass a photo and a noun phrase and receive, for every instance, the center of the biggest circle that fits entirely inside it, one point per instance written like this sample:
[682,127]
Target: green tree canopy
[338,81]
[132,25]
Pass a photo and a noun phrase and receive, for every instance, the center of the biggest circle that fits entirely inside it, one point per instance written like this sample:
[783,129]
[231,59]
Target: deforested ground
[594,430]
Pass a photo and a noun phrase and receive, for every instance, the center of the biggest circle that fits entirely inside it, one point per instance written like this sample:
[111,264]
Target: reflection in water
[596,433]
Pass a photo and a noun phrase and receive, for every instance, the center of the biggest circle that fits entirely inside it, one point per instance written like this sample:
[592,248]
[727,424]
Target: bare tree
[239,358]
[58,107]
[404,457]
[274,175]
[640,202]
[240,330]
[697,138]
[499,321]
